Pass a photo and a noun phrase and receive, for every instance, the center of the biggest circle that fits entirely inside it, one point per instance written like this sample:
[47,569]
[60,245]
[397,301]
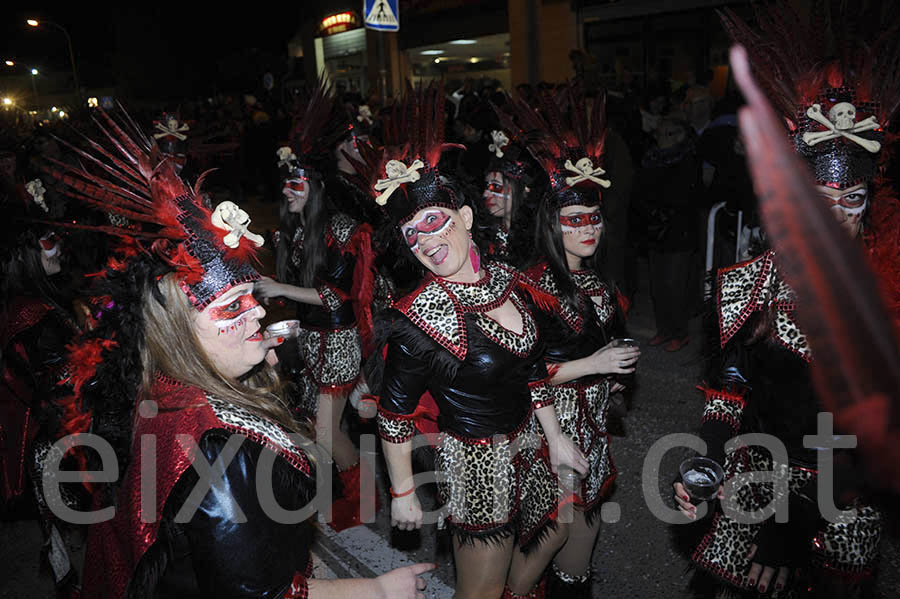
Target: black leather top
[216,557]
[488,394]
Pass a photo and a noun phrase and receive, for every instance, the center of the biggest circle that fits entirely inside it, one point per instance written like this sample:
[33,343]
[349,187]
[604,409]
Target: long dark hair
[23,274]
[549,245]
[314,219]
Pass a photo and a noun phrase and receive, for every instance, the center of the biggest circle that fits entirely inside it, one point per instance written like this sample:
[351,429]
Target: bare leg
[481,568]
[526,570]
[329,433]
[574,558]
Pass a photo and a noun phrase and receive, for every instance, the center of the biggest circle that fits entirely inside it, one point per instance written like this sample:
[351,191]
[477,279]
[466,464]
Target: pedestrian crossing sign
[383,15]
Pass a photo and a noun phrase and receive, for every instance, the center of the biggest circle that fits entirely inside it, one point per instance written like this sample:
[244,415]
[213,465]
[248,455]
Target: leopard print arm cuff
[332,299]
[725,406]
[542,393]
[395,428]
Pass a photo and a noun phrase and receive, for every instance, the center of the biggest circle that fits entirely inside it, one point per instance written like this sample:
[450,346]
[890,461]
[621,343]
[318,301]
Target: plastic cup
[624,342]
[701,477]
[284,328]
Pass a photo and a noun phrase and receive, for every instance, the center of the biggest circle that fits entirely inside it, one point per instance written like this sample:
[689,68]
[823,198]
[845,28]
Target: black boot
[565,586]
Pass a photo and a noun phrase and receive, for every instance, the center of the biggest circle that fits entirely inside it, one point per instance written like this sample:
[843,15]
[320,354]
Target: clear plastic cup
[283,328]
[701,477]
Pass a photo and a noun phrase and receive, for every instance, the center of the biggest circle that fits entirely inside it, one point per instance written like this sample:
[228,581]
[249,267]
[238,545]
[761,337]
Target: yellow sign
[338,23]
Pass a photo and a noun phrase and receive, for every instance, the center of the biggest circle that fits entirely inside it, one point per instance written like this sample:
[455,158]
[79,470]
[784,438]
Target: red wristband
[404,494]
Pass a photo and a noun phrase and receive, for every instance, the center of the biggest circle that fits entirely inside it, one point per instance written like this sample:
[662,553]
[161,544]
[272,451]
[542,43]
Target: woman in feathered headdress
[36,325]
[175,375]
[467,336]
[511,175]
[324,263]
[837,108]
[569,144]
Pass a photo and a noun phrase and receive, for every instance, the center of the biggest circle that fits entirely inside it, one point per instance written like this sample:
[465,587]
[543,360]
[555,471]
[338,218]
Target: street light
[34,72]
[10,63]
[35,23]
[7,101]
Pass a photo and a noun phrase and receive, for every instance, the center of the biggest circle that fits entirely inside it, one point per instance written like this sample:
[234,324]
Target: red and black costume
[331,344]
[223,542]
[35,329]
[762,381]
[585,316]
[572,333]
[485,380]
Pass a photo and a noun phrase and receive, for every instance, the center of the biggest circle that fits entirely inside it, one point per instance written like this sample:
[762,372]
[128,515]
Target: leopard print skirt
[497,488]
[582,409]
[332,362]
[847,547]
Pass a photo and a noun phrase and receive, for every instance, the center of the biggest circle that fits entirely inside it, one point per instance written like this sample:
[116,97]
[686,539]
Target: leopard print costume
[749,286]
[490,488]
[848,546]
[582,406]
[332,358]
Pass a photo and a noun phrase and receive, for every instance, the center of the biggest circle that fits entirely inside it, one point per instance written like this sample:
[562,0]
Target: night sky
[159,50]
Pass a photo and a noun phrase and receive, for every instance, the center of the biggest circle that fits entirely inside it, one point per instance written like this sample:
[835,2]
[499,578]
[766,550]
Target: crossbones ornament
[171,128]
[364,114]
[285,156]
[500,142]
[36,189]
[397,174]
[585,171]
[230,217]
[841,123]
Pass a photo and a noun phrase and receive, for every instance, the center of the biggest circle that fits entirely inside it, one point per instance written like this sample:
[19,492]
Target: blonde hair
[172,348]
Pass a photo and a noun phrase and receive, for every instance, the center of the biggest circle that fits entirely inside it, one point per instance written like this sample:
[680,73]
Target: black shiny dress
[486,382]
[236,534]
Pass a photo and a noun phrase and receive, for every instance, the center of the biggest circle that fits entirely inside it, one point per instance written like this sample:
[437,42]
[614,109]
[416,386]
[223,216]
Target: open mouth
[438,254]
[257,336]
[589,241]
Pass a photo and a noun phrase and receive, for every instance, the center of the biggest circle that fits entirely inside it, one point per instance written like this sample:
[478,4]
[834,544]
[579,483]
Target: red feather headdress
[567,141]
[402,176]
[210,251]
[834,79]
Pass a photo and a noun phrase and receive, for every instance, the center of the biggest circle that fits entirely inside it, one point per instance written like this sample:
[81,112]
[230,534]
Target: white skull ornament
[231,218]
[394,169]
[843,115]
[585,165]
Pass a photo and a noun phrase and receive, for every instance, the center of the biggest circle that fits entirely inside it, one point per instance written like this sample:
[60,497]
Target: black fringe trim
[494,536]
[540,534]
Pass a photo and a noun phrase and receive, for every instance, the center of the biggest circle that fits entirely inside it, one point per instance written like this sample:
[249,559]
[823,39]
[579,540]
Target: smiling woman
[466,340]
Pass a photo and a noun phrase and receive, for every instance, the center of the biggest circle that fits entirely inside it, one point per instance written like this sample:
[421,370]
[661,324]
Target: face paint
[848,206]
[233,316]
[431,223]
[228,331]
[577,221]
[294,185]
[495,194]
[50,253]
[295,193]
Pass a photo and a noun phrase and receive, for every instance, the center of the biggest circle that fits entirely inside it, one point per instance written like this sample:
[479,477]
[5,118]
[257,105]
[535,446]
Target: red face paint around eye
[581,220]
[238,307]
[430,224]
[297,185]
[494,187]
